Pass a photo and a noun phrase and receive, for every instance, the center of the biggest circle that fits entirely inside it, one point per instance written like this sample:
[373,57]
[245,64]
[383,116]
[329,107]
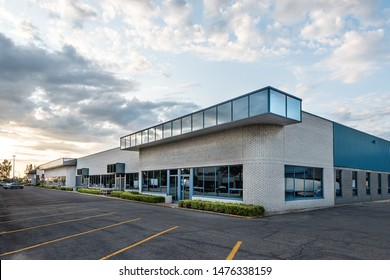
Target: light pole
[13,170]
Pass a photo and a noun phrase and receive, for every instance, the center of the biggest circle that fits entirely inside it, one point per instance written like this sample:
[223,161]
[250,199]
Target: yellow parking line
[52,215]
[233,252]
[138,243]
[67,237]
[58,223]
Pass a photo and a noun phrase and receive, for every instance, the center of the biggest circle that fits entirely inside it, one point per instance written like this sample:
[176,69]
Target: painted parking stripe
[46,216]
[138,243]
[234,251]
[67,237]
[57,223]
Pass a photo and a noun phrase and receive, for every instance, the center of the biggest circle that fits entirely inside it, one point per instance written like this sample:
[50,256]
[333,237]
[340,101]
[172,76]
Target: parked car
[12,186]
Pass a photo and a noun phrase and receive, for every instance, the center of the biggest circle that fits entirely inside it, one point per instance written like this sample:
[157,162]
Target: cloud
[323,27]
[75,12]
[358,56]
[66,97]
[369,112]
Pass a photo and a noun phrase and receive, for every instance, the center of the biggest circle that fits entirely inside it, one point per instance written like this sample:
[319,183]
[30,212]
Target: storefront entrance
[180,189]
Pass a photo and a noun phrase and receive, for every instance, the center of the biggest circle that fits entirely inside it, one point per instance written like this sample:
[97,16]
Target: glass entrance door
[185,186]
[173,182]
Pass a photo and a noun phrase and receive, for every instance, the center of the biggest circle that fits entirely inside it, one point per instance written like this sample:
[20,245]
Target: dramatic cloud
[68,98]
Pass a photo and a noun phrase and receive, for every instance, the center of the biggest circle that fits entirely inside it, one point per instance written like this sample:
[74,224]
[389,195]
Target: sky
[76,75]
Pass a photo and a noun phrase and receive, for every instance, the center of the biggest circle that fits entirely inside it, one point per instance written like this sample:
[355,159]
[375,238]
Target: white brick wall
[263,150]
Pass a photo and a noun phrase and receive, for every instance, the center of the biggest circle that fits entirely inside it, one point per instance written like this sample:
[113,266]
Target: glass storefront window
[155,181]
[167,129]
[258,103]
[210,117]
[354,183]
[338,186]
[224,113]
[176,127]
[186,124]
[240,108]
[219,181]
[303,182]
[277,103]
[132,181]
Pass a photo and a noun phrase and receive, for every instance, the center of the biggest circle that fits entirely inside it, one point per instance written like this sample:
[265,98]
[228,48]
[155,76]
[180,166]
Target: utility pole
[13,170]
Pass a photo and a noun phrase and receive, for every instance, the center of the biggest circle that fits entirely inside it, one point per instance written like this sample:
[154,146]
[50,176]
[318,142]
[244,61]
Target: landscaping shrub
[116,193]
[226,208]
[90,191]
[138,196]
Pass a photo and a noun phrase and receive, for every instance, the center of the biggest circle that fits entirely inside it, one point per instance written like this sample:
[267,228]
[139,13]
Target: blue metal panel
[355,149]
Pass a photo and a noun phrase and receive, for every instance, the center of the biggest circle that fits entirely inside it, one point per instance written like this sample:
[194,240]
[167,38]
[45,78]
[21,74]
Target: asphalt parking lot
[43,224]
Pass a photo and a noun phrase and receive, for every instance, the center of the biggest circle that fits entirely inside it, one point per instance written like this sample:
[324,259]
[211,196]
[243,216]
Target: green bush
[90,191]
[116,193]
[138,196]
[226,208]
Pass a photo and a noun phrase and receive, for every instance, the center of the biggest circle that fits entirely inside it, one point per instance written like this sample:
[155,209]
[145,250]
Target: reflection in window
[354,183]
[303,182]
[240,108]
[152,134]
[368,183]
[145,137]
[258,103]
[221,181]
[131,181]
[224,113]
[338,186]
[123,143]
[210,117]
[197,121]
[277,103]
[138,140]
[176,127]
[167,130]
[186,124]
[293,108]
[388,183]
[154,181]
[159,132]
[132,140]
[127,141]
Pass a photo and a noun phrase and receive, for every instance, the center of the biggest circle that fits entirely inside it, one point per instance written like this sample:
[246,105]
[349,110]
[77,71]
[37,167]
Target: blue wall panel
[355,149]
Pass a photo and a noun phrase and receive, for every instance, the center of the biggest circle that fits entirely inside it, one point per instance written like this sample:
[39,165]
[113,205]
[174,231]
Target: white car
[12,186]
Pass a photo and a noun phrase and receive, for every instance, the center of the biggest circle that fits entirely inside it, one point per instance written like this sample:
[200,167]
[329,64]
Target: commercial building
[259,148]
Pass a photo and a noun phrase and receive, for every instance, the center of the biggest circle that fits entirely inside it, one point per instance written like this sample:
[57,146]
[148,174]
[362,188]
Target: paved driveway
[44,224]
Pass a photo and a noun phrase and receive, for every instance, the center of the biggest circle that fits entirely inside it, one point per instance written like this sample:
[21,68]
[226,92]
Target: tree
[5,169]
[29,167]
